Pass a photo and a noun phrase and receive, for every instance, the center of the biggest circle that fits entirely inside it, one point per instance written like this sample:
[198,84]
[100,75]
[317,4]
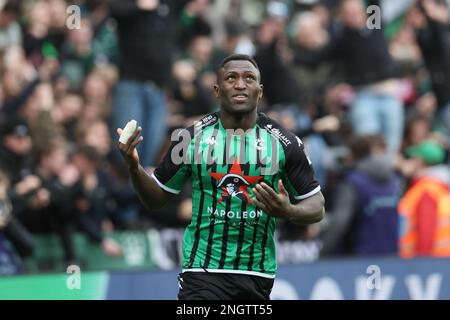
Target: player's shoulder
[206,121]
[286,138]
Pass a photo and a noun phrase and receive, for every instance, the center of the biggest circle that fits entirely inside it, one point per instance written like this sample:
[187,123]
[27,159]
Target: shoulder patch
[206,121]
[277,133]
[300,143]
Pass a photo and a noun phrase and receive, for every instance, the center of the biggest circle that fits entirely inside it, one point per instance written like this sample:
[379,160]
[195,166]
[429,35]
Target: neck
[238,121]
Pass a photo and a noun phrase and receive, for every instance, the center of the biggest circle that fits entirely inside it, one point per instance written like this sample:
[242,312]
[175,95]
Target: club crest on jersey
[234,184]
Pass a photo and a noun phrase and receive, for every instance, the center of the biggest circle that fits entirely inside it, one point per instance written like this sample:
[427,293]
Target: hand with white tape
[128,140]
[128,131]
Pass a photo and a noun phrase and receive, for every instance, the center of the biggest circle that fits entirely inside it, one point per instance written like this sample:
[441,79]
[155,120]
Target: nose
[239,84]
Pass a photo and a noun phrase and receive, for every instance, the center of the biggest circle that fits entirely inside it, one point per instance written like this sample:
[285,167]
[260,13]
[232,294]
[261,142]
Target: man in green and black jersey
[246,171]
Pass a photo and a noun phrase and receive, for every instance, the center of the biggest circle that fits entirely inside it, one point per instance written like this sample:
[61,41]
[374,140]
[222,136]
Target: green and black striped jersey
[227,232]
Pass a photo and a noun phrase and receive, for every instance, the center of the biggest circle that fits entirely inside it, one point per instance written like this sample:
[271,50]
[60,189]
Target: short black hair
[235,57]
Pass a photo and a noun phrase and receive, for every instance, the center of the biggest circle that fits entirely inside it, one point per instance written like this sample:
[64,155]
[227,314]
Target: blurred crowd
[371,103]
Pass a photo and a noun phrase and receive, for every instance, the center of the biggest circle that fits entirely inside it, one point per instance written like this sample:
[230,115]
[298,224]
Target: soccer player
[246,171]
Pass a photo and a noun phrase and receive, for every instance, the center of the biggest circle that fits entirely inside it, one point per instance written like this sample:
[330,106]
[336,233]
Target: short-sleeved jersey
[227,232]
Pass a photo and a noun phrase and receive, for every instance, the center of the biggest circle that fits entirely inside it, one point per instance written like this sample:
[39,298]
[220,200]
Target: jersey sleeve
[299,174]
[174,170]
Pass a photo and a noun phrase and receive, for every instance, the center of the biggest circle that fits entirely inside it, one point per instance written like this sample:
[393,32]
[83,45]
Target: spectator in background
[363,217]
[12,231]
[36,32]
[28,194]
[96,205]
[77,55]
[22,82]
[431,20]
[146,42]
[368,67]
[96,92]
[61,179]
[93,45]
[9,264]
[67,112]
[192,99]
[18,80]
[281,88]
[239,39]
[202,54]
[418,129]
[15,149]
[193,21]
[57,23]
[425,208]
[105,42]
[309,38]
[10,32]
[425,108]
[94,133]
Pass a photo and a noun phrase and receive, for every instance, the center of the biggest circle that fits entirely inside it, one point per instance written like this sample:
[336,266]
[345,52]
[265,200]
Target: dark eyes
[247,78]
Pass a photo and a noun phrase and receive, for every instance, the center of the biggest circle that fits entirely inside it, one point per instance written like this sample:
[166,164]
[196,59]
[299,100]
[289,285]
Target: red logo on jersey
[234,183]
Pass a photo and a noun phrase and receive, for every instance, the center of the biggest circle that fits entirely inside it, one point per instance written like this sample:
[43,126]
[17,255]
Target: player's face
[238,87]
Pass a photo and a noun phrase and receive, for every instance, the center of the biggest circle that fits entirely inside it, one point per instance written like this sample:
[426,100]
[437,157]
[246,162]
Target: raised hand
[128,150]
[275,204]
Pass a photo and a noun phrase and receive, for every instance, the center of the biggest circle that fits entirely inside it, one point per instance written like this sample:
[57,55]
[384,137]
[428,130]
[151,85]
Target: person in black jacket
[367,65]
[146,44]
[431,20]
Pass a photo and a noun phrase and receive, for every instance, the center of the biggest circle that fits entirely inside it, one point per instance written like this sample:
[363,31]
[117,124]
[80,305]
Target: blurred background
[367,89]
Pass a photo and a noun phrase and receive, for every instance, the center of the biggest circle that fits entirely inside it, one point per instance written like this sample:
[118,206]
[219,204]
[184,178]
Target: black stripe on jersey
[245,170]
[227,208]
[255,227]
[240,237]
[264,244]
[226,226]
[252,248]
[199,218]
[200,209]
[212,218]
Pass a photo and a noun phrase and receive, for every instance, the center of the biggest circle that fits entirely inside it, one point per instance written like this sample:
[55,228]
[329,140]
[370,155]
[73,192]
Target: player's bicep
[299,178]
[165,195]
[174,170]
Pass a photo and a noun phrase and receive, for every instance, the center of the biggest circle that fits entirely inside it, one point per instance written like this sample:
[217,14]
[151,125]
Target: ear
[261,90]
[216,90]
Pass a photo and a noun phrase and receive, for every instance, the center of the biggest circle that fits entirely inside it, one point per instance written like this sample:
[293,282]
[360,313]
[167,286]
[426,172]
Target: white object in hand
[128,131]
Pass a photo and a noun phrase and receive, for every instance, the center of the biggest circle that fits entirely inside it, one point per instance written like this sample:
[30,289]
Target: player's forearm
[308,211]
[146,188]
